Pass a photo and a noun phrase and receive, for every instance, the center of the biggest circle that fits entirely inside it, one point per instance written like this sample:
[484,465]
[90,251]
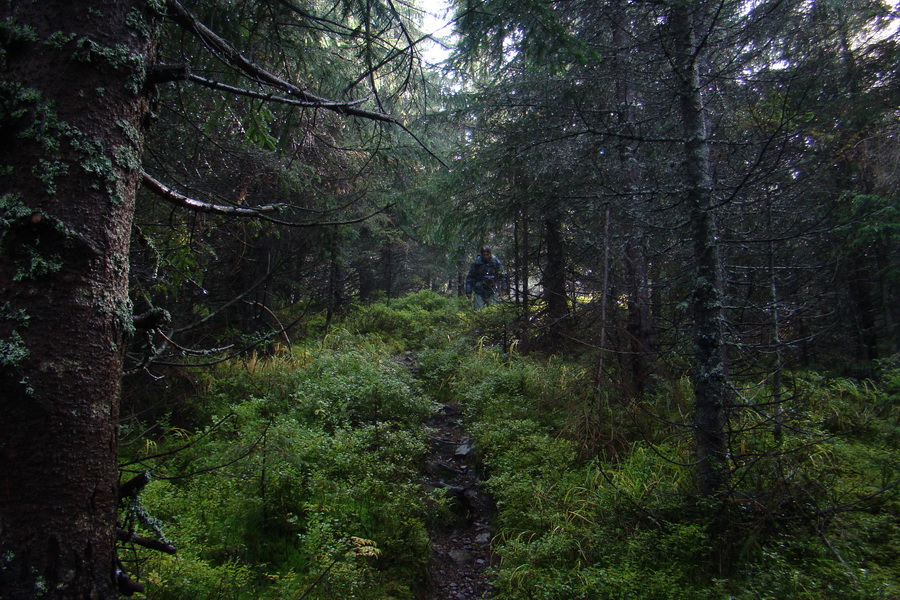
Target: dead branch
[178,199]
[127,536]
[133,487]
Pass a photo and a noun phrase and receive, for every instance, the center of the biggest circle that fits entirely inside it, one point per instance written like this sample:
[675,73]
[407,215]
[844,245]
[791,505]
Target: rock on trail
[461,550]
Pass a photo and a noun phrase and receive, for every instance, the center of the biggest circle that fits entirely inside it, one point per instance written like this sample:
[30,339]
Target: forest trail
[460,550]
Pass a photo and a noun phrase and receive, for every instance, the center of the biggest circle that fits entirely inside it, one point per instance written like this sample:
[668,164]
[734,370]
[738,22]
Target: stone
[465,448]
[460,557]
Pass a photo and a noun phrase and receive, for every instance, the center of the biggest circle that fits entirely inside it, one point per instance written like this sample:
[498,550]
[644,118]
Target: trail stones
[465,448]
[461,550]
[460,556]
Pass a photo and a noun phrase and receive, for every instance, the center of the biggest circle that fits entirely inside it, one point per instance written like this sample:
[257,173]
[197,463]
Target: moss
[37,118]
[47,171]
[12,209]
[38,263]
[11,31]
[132,132]
[25,111]
[124,312]
[127,158]
[97,162]
[40,586]
[8,313]
[119,57]
[157,7]
[59,40]
[13,350]
[16,100]
[135,20]
[33,261]
[35,241]
[12,35]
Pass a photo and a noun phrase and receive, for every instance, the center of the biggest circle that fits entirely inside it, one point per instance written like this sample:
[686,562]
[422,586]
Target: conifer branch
[230,55]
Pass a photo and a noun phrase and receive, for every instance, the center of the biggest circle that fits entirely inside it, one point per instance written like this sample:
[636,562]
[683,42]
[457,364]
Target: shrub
[307,483]
[406,321]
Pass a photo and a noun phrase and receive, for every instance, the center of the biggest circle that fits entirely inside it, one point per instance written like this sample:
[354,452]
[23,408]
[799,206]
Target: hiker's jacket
[485,278]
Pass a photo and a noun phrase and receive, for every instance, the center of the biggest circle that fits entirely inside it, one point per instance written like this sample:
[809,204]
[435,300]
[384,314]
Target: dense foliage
[302,475]
[250,208]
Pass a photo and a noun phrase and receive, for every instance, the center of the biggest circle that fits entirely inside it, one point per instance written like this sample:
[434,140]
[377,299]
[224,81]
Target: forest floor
[461,545]
[460,552]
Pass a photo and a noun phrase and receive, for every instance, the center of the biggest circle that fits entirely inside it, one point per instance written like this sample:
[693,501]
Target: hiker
[486,279]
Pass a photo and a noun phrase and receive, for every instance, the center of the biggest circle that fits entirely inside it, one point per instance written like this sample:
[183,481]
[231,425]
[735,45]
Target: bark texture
[712,388]
[72,101]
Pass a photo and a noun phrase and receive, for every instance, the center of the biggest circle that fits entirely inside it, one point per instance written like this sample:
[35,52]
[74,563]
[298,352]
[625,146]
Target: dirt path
[461,551]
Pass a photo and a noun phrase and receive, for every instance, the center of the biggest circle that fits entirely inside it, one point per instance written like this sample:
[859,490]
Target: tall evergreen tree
[77,87]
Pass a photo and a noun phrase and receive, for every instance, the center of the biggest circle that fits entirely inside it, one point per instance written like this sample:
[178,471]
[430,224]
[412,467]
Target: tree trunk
[864,308]
[605,302]
[640,318]
[462,268]
[889,308]
[386,262]
[778,350]
[335,284]
[73,101]
[363,263]
[517,260]
[554,279]
[525,335]
[712,388]
[640,322]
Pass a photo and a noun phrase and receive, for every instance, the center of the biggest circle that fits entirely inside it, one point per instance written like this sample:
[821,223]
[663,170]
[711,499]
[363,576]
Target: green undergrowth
[304,479]
[597,499]
[409,321]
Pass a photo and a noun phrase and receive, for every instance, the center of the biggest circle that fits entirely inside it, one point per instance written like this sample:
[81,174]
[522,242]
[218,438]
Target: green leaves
[577,525]
[310,487]
[872,219]
[258,128]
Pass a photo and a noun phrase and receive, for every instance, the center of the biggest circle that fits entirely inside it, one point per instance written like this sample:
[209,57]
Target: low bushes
[811,511]
[305,481]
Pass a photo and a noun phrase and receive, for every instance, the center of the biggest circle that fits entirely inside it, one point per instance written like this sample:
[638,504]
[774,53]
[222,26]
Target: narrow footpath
[461,551]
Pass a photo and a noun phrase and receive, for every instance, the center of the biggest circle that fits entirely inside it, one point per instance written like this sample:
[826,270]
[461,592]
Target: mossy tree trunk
[73,97]
[712,388]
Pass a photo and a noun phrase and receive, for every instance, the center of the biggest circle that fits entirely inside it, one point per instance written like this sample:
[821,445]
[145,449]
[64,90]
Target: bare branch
[179,199]
[205,433]
[224,87]
[170,195]
[127,536]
